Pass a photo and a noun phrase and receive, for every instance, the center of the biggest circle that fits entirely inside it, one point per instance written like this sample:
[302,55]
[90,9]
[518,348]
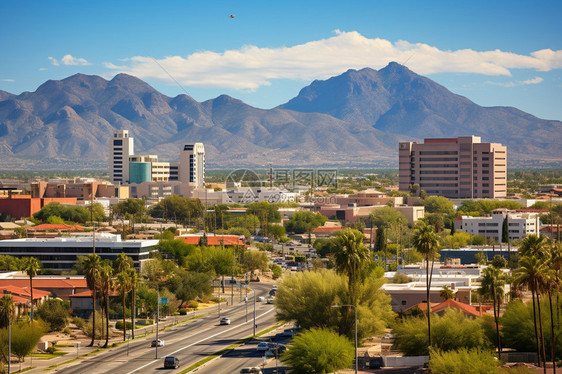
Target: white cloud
[535,80]
[7,80]
[69,60]
[250,67]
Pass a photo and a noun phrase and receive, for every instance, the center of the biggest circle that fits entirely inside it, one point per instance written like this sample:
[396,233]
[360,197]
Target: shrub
[79,322]
[66,331]
[119,325]
[452,331]
[55,312]
[319,351]
[465,361]
[193,304]
[51,349]
[183,312]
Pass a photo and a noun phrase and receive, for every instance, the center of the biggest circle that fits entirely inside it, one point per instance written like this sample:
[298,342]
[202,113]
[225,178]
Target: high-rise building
[192,165]
[122,146]
[460,167]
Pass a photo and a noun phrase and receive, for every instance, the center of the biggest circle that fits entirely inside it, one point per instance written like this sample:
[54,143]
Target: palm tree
[7,309]
[534,245]
[134,279]
[531,273]
[31,267]
[426,242]
[492,287]
[446,293]
[350,255]
[124,284]
[122,264]
[91,265]
[106,284]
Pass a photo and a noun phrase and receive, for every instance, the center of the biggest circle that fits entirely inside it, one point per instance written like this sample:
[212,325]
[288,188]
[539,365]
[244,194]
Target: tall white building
[192,165]
[122,146]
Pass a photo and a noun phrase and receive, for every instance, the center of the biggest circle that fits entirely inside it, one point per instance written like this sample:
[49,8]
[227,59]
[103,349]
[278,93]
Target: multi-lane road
[190,342]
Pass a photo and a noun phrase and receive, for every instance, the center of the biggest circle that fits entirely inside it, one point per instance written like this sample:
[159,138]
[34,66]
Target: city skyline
[505,53]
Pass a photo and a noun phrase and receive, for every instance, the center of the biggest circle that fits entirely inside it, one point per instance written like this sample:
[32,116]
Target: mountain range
[354,119]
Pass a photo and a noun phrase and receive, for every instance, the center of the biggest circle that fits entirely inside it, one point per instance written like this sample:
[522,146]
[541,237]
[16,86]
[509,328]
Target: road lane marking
[202,340]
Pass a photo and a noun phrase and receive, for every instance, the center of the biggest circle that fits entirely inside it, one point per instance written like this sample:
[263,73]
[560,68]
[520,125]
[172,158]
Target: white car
[262,347]
[157,343]
[261,299]
[225,321]
[270,300]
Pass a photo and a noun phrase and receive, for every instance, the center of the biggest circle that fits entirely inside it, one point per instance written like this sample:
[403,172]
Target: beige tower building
[192,165]
[462,167]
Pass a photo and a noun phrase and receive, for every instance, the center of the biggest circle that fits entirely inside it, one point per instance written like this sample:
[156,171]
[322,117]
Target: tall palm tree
[492,287]
[124,285]
[7,309]
[350,256]
[426,242]
[31,267]
[106,284]
[534,246]
[91,266]
[531,274]
[134,279]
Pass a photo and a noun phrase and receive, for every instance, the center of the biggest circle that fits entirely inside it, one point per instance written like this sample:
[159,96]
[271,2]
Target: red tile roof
[214,240]
[45,283]
[327,229]
[56,226]
[450,303]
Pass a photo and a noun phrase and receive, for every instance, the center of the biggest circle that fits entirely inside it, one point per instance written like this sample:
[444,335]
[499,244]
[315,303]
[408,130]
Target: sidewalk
[82,351]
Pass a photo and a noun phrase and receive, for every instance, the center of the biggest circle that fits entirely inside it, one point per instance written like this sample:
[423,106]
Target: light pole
[355,308]
[157,317]
[254,313]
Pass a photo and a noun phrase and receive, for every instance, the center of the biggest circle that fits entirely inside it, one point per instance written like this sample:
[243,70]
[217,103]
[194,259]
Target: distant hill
[398,101]
[355,119]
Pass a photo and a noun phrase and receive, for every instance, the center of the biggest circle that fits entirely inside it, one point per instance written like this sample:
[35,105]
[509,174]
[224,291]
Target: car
[261,298]
[254,370]
[388,336]
[171,362]
[262,347]
[225,321]
[289,332]
[157,343]
[270,300]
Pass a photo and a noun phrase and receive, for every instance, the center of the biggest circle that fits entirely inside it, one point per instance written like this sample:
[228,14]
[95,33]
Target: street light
[355,308]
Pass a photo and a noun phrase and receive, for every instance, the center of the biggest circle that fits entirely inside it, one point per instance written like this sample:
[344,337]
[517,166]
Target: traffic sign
[163,300]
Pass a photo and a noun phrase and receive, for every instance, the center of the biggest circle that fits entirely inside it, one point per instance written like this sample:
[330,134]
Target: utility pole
[157,317]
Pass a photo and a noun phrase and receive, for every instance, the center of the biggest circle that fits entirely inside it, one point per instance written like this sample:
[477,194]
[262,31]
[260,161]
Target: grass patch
[24,369]
[52,367]
[48,356]
[230,347]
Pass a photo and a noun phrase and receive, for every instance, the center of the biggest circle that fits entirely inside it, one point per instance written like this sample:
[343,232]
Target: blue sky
[495,53]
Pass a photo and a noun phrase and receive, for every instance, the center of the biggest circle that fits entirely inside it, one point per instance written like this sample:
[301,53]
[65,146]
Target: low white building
[519,224]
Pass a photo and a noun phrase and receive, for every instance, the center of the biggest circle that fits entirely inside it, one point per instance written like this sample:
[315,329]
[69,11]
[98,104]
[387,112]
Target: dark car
[171,362]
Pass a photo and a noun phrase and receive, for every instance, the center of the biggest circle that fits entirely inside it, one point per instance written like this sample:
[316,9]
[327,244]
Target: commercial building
[462,167]
[148,177]
[122,146]
[22,206]
[80,188]
[519,224]
[62,253]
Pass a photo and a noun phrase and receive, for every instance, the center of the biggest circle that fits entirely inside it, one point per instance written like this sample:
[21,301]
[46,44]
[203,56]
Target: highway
[190,342]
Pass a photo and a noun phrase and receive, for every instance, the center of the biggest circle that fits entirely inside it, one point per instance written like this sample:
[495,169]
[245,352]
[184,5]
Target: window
[117,142]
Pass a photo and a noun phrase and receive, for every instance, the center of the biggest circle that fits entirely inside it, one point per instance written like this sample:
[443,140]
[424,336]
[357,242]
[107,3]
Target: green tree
[134,280]
[446,293]
[90,266]
[451,331]
[350,257]
[130,208]
[470,361]
[55,312]
[305,222]
[106,285]
[31,267]
[252,260]
[25,338]
[439,204]
[307,297]
[122,264]
[386,217]
[319,351]
[426,242]
[531,274]
[492,287]
[7,310]
[499,262]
